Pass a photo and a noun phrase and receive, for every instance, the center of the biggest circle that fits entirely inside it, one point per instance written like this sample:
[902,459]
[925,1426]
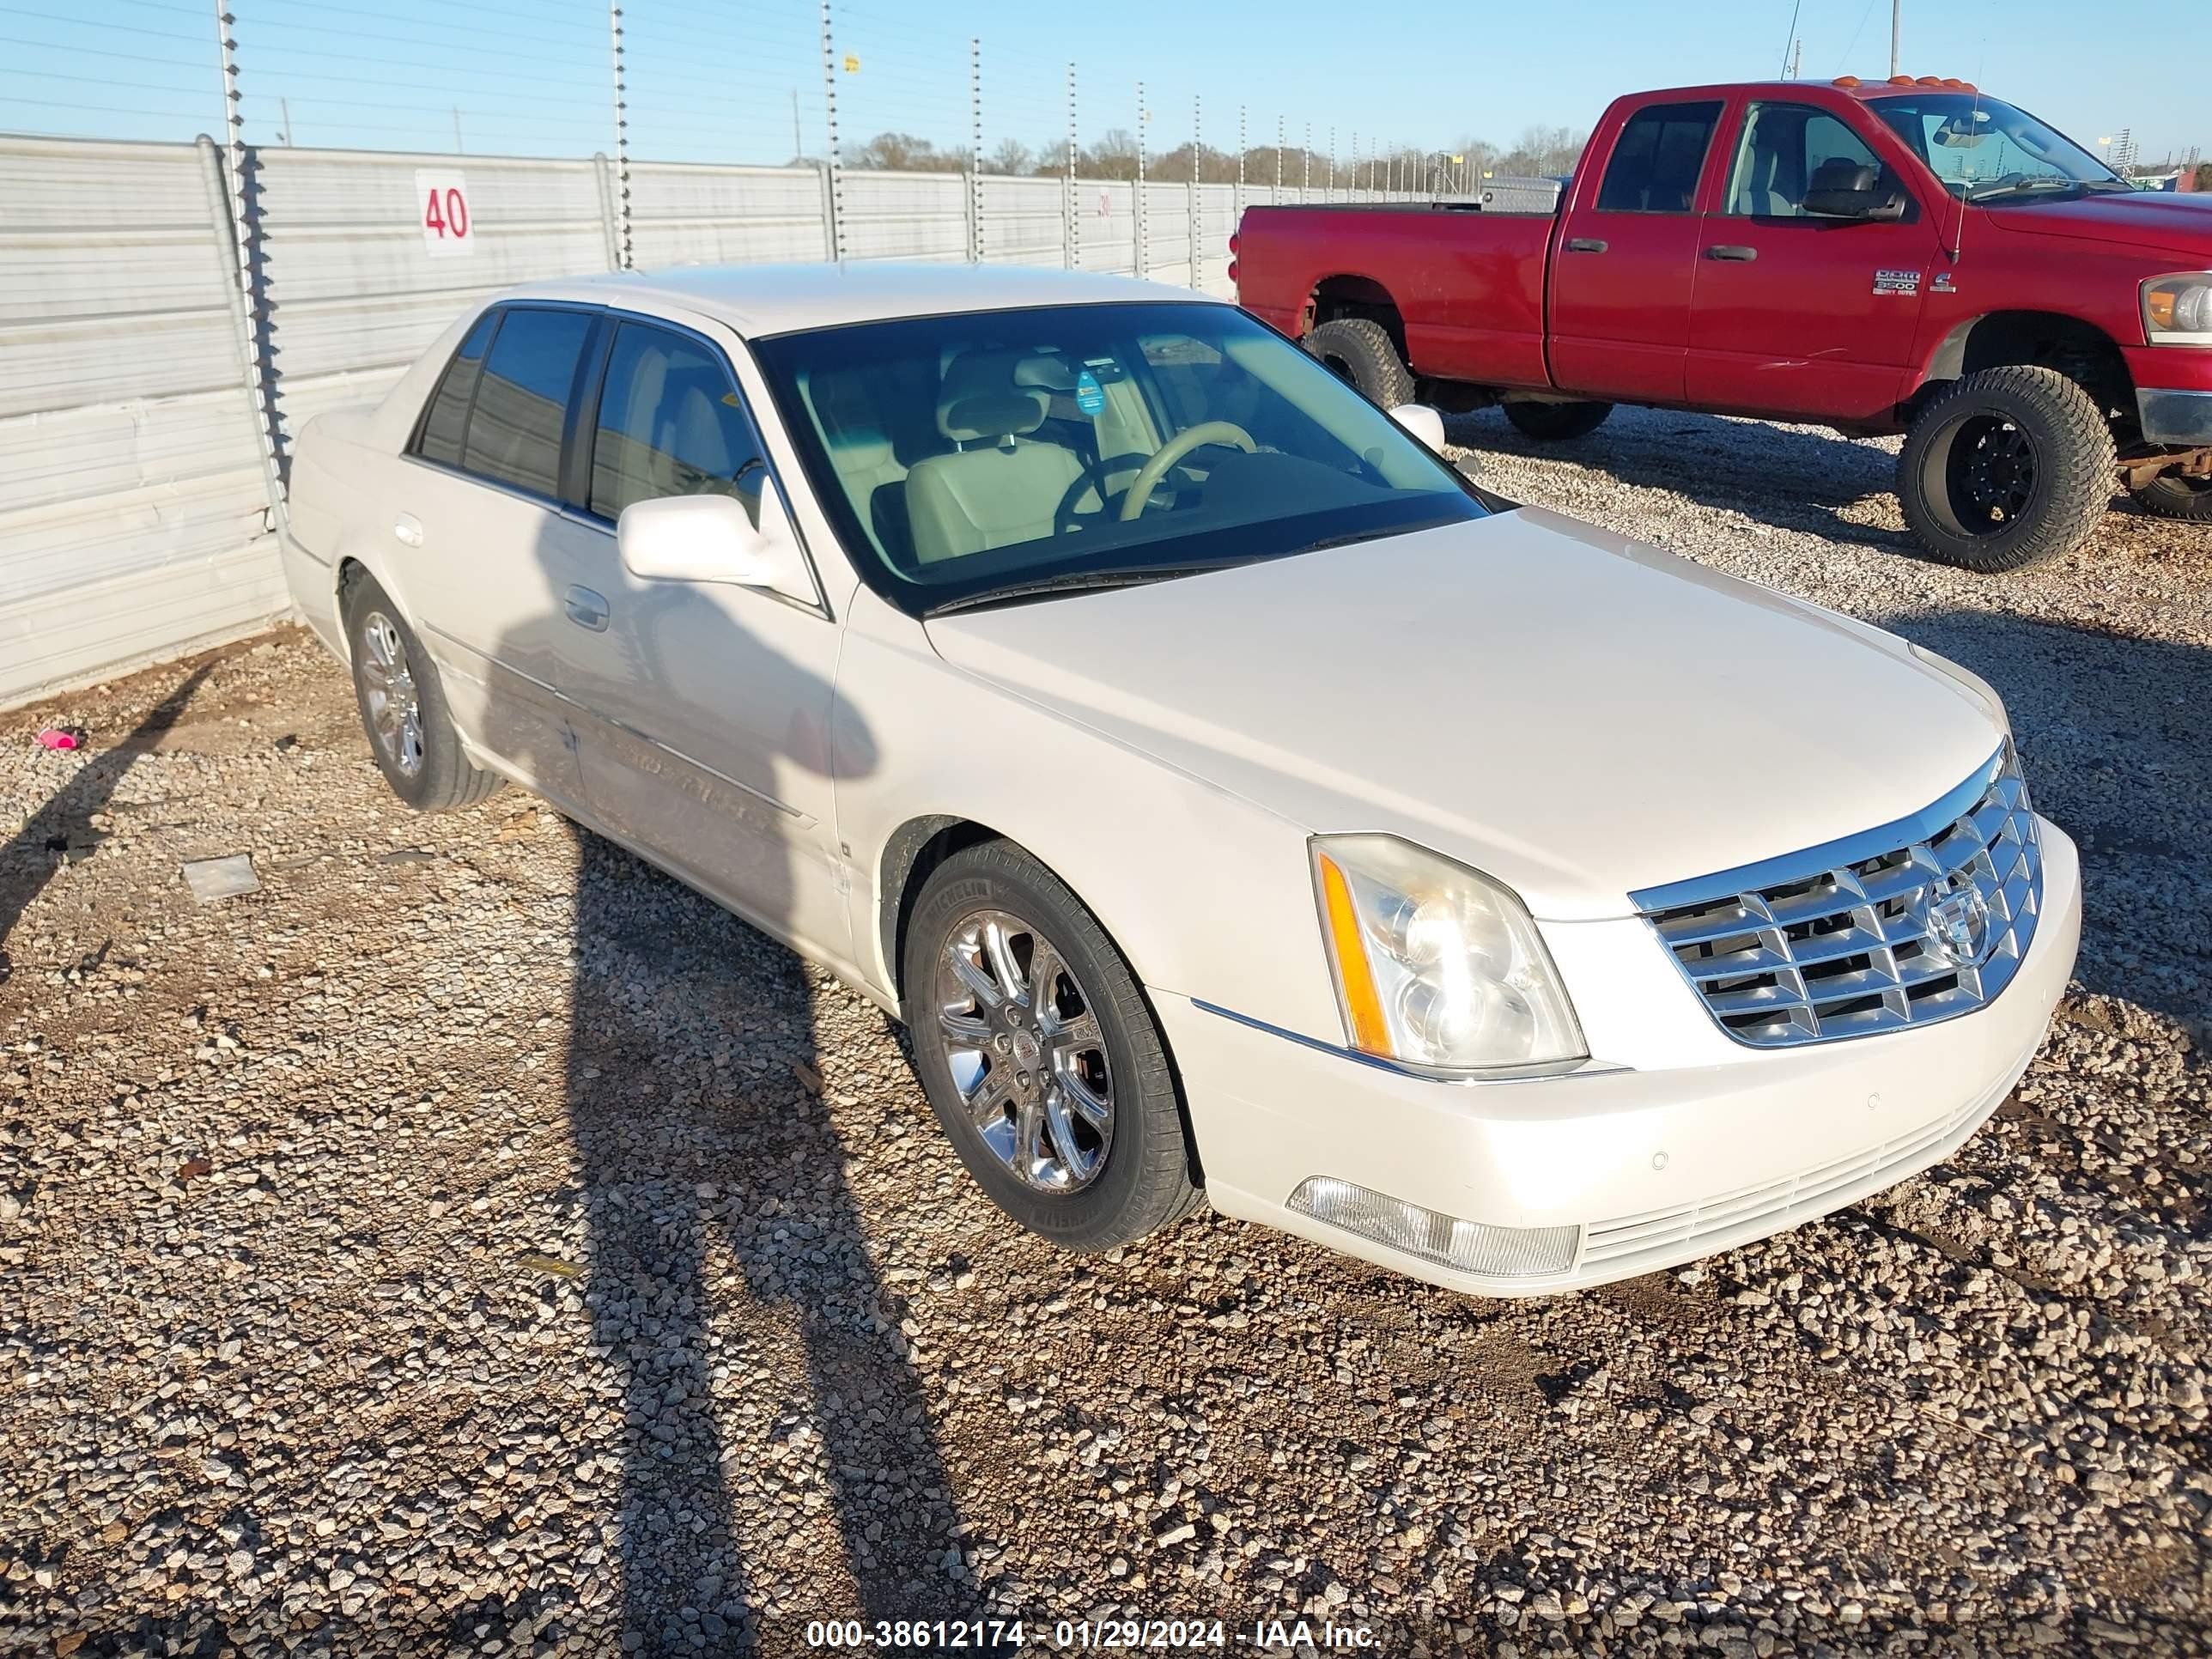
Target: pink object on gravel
[55,738]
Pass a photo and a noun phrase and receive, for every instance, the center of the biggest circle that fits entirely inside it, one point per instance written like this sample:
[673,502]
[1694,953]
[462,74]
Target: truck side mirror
[1845,190]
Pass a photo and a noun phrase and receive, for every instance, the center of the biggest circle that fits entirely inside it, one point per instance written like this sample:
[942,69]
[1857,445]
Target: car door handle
[1727,252]
[587,609]
[1584,245]
[408,528]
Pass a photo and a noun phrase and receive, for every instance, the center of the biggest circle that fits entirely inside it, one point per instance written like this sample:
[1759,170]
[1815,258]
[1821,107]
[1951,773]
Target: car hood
[1574,713]
[2153,219]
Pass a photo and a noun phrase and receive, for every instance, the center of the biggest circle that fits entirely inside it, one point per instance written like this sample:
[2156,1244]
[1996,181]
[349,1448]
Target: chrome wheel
[1027,1055]
[387,687]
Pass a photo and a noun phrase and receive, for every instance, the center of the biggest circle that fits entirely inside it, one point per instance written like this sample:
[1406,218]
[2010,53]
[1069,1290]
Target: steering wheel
[1092,481]
[1195,437]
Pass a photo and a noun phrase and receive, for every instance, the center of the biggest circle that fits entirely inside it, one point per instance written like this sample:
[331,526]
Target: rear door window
[446,418]
[522,399]
[1658,158]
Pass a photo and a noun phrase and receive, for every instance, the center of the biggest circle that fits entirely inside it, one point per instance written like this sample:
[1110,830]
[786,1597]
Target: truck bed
[1438,254]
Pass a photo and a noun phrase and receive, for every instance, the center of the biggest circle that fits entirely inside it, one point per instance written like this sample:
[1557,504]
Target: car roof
[779,299]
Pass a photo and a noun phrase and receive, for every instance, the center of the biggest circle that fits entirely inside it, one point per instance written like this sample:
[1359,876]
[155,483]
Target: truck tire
[1557,423]
[2009,467]
[2173,496]
[1361,351]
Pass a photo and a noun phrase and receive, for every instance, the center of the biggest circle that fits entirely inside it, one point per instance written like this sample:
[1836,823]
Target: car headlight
[2177,310]
[1437,967]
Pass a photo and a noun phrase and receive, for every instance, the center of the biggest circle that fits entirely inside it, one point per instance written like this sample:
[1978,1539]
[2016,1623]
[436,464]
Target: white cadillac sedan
[1230,798]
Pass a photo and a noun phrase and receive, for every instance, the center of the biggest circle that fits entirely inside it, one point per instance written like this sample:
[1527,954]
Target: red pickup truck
[1904,256]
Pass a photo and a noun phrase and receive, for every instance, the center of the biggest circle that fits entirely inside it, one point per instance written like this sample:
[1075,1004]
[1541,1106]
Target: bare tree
[1012,156]
[1114,156]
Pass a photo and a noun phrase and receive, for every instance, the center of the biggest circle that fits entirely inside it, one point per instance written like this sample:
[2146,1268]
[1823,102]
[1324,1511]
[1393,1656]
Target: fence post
[622,144]
[1144,241]
[233,211]
[230,250]
[832,240]
[834,175]
[1241,148]
[610,223]
[1190,202]
[974,149]
[1071,240]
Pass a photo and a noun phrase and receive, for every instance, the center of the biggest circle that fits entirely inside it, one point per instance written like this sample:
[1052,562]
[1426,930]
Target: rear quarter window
[446,419]
[521,405]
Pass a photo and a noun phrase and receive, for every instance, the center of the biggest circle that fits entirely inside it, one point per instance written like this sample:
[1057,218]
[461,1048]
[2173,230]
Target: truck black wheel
[402,707]
[1361,352]
[2173,496]
[1555,422]
[2009,467]
[1039,1055]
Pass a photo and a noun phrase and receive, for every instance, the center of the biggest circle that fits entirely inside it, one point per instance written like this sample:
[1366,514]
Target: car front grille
[1916,923]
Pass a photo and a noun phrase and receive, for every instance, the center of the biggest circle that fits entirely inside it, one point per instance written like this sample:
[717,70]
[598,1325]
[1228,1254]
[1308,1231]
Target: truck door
[1796,313]
[1623,271]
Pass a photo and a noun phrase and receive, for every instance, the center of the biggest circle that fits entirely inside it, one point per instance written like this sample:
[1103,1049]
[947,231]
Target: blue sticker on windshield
[1088,396]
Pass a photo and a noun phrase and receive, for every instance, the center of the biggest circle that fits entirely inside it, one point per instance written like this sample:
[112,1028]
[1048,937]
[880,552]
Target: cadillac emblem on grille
[1954,919]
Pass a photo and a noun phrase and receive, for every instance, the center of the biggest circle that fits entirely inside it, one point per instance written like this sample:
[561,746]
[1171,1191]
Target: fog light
[1466,1247]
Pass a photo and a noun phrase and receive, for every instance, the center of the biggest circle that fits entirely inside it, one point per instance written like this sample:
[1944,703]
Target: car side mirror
[711,538]
[1423,422]
[1841,190]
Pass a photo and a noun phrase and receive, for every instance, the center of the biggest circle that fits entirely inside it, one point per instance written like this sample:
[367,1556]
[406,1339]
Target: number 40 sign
[441,209]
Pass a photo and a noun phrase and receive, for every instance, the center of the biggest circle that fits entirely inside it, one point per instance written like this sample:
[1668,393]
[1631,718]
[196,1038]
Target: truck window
[1783,147]
[1657,159]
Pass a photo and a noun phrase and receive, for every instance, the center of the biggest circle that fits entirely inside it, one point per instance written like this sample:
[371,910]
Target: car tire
[1557,423]
[1362,352]
[2173,496]
[992,1062]
[2009,467]
[402,707]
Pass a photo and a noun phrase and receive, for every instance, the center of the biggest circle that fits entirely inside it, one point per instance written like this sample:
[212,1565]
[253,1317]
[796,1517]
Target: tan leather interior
[996,489]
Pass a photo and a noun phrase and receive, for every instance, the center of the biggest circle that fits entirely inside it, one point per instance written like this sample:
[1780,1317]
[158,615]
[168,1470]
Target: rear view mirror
[711,538]
[1843,190]
[1423,422]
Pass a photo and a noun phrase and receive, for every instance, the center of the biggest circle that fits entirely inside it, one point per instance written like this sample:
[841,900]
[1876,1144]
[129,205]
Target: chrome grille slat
[1844,945]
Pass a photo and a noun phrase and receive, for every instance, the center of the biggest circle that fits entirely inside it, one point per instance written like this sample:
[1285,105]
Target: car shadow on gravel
[713,1176]
[1787,477]
[2112,735]
[60,829]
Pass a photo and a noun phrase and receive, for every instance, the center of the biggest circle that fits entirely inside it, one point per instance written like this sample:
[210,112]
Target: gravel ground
[472,1241]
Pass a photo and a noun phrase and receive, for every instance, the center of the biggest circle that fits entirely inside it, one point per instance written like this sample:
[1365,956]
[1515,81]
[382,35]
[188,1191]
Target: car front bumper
[1655,1165]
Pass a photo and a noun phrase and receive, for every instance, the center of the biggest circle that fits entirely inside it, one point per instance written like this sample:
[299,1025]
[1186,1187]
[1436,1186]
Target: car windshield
[1002,454]
[1986,151]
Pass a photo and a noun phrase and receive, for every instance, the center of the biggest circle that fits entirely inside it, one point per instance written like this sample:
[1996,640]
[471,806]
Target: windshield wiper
[1079,581]
[2027,185]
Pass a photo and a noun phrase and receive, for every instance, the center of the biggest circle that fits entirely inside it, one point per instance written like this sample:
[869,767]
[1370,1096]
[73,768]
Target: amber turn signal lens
[1363,1008]
[2159,304]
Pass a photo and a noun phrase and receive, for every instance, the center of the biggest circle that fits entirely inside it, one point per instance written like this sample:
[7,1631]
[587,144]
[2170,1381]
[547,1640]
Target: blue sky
[710,80]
